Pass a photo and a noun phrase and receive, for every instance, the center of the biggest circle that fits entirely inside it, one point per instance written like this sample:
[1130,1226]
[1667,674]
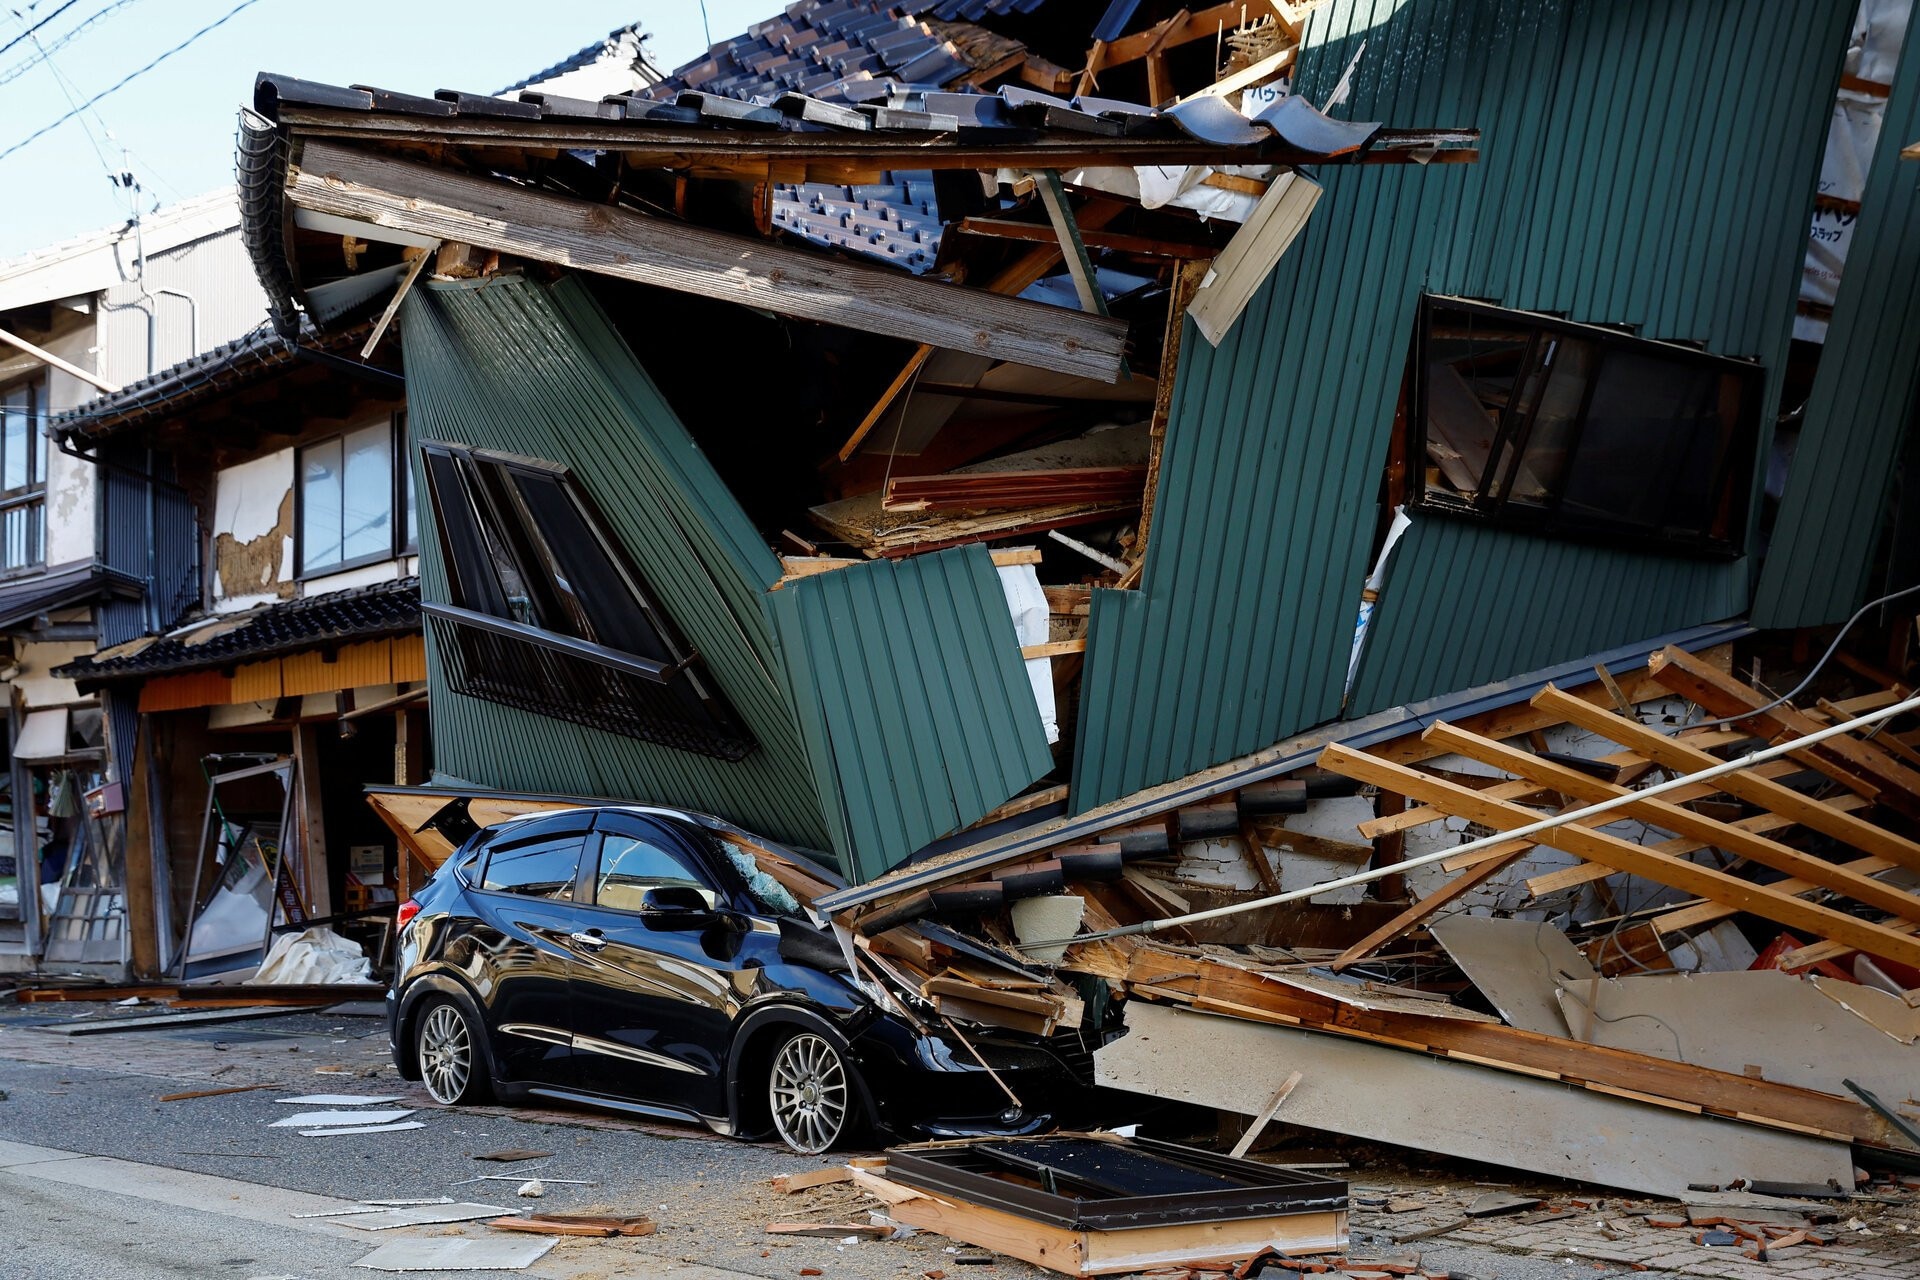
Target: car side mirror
[675,906]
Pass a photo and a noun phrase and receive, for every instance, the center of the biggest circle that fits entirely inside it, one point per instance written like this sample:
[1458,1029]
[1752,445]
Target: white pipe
[48,358]
[1504,837]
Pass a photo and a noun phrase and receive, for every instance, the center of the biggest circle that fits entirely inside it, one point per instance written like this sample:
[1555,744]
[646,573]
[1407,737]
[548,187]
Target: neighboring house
[291,673]
[1563,363]
[109,308]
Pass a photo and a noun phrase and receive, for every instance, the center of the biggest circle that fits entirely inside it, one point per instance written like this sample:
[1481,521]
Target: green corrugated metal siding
[538,370]
[1644,162]
[912,696]
[1863,397]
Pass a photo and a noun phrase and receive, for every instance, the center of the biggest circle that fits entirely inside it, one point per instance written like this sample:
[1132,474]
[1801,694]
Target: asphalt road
[225,1214]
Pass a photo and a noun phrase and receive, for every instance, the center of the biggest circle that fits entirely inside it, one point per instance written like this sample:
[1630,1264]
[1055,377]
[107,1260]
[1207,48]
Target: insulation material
[1027,602]
[314,956]
[1879,31]
[1182,187]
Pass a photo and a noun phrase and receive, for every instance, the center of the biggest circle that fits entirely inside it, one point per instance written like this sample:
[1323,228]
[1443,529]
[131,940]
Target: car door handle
[591,938]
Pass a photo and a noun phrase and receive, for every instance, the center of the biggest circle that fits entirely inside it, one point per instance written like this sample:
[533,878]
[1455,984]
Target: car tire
[813,1093]
[451,1053]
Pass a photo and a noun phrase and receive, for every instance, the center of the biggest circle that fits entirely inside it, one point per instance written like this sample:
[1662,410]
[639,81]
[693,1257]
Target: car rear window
[535,868]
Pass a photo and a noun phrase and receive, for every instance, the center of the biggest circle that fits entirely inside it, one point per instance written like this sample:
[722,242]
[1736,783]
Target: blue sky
[178,119]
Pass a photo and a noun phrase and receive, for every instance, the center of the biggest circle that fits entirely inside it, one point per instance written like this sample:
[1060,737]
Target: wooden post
[1390,850]
[409,747]
[310,808]
[141,855]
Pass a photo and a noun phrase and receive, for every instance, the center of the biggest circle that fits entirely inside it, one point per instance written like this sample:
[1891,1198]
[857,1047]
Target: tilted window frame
[1731,484]
[479,606]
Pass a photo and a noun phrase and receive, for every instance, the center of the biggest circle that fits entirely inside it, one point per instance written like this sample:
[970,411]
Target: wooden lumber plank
[1623,855]
[1660,812]
[1181,29]
[1760,823]
[1419,817]
[1186,282]
[1674,754]
[1842,759]
[1706,913]
[1267,1113]
[1112,241]
[1053,649]
[1073,250]
[690,259]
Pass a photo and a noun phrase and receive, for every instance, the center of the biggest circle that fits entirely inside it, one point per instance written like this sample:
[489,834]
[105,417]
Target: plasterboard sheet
[1518,965]
[339,1131]
[1763,1021]
[425,1215]
[311,1119]
[336,1100]
[1455,1108]
[485,1254]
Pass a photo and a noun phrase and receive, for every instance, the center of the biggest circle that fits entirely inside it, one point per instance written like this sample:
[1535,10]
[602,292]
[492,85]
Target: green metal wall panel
[538,370]
[1643,162]
[912,697]
[1863,397]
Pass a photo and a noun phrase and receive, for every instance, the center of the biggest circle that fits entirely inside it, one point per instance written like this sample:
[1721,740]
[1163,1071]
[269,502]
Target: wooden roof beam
[633,246]
[1623,855]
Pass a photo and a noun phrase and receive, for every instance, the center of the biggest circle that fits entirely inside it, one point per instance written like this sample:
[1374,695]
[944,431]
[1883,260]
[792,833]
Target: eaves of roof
[243,362]
[292,626]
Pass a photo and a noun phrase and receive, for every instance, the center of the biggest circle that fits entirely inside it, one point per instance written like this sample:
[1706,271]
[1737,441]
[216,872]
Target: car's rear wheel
[447,1047]
[810,1091]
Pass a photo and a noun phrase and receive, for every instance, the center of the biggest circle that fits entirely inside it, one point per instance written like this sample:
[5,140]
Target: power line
[65,38]
[128,78]
[36,26]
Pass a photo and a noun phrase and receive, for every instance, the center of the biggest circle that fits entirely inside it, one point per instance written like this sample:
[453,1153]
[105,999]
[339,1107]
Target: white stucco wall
[252,532]
[70,482]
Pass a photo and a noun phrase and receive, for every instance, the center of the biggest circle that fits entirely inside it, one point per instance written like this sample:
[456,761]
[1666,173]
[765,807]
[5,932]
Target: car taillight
[404,917]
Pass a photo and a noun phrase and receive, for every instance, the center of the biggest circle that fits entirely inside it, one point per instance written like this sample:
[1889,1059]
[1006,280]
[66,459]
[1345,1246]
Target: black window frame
[1731,480]
[404,504]
[480,515]
[31,496]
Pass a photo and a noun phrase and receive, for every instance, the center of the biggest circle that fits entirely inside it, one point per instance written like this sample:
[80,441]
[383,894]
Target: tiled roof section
[364,613]
[817,45]
[618,64]
[247,359]
[895,221]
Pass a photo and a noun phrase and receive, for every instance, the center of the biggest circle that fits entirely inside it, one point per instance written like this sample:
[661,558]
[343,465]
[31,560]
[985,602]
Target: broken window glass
[1580,431]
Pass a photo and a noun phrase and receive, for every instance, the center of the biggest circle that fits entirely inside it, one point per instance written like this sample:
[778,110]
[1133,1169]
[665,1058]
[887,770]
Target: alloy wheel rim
[446,1053]
[808,1090]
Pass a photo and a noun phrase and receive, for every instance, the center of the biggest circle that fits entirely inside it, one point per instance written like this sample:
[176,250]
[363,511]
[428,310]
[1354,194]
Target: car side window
[535,868]
[632,864]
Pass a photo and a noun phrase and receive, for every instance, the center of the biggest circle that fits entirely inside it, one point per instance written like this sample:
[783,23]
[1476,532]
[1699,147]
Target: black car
[640,959]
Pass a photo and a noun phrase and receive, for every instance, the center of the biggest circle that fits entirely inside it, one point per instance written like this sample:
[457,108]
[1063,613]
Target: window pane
[1474,364]
[1567,369]
[320,482]
[14,473]
[631,865]
[367,501]
[469,564]
[537,869]
[1648,455]
[593,589]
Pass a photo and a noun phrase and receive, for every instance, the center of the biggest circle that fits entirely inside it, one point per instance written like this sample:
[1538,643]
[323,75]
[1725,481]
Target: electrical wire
[36,26]
[60,42]
[1813,671]
[129,77]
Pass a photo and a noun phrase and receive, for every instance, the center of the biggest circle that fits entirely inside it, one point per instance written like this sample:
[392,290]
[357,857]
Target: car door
[521,956]
[655,993]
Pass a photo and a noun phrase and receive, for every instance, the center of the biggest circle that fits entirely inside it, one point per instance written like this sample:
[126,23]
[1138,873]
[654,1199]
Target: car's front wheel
[810,1090]
[447,1047]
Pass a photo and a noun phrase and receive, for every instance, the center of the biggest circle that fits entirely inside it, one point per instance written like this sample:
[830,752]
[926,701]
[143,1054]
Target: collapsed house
[818,438]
